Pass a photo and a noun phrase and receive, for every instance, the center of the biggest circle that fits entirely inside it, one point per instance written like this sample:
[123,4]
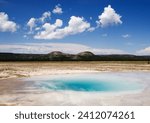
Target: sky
[73,26]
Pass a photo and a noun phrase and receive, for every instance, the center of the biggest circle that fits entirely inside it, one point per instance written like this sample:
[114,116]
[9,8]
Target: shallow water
[93,82]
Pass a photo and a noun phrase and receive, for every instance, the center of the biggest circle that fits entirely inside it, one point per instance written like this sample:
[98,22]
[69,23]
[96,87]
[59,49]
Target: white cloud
[126,36]
[53,31]
[6,25]
[44,48]
[109,17]
[31,24]
[76,25]
[91,29]
[145,51]
[37,28]
[45,15]
[57,9]
[107,51]
[49,30]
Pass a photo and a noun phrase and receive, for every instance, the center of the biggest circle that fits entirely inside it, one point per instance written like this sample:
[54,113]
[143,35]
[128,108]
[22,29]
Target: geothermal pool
[89,82]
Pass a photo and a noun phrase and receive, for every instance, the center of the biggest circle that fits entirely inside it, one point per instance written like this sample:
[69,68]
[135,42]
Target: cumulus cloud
[126,36]
[109,17]
[44,48]
[33,22]
[45,16]
[6,25]
[53,31]
[145,51]
[46,30]
[57,9]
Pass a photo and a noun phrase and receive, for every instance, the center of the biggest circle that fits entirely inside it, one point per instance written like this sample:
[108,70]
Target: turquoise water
[88,83]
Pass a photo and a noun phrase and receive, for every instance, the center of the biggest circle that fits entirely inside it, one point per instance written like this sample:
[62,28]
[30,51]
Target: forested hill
[59,56]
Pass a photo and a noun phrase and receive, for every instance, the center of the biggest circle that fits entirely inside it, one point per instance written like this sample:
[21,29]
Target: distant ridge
[86,54]
[60,56]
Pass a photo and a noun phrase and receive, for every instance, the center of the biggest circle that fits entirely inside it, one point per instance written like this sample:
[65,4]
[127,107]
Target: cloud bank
[44,48]
[145,51]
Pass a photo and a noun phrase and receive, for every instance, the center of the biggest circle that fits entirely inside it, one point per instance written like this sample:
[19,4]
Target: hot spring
[89,82]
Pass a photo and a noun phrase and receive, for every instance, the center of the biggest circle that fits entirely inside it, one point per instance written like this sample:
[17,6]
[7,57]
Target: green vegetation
[59,56]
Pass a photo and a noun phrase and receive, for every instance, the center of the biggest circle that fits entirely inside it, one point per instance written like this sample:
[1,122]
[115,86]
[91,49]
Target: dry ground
[26,69]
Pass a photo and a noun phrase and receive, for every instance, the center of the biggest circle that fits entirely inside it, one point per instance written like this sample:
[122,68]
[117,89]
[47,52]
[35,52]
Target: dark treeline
[59,56]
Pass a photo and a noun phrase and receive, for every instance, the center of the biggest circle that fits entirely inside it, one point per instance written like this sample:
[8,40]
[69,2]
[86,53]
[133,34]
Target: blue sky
[72,26]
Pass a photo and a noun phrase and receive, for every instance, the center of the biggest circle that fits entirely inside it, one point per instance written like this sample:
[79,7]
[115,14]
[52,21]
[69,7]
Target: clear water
[89,83]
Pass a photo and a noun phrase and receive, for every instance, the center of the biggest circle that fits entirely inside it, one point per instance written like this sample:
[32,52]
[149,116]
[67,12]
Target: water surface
[93,82]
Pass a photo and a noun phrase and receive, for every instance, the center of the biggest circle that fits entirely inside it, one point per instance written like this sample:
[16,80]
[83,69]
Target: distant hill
[59,56]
